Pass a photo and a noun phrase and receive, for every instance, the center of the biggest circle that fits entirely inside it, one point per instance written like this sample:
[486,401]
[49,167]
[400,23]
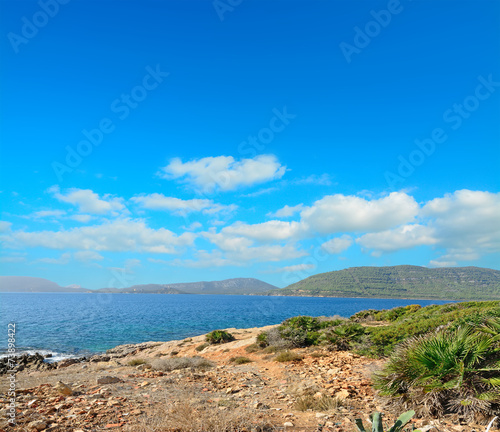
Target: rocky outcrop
[25,361]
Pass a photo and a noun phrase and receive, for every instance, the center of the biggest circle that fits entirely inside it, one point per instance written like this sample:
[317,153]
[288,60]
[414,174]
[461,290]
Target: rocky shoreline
[126,389]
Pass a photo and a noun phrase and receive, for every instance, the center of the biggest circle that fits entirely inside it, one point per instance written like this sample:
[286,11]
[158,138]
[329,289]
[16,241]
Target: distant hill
[228,286]
[405,281]
[33,284]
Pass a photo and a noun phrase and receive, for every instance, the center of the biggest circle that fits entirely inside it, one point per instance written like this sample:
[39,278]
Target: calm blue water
[79,324]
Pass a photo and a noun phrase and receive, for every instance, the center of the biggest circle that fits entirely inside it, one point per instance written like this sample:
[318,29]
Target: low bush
[175,363]
[286,356]
[202,346]
[136,362]
[343,337]
[252,348]
[448,371]
[240,360]
[219,337]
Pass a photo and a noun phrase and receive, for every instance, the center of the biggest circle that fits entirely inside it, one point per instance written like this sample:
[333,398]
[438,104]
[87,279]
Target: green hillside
[405,281]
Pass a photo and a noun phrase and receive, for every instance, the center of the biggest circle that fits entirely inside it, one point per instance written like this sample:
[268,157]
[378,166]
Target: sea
[67,325]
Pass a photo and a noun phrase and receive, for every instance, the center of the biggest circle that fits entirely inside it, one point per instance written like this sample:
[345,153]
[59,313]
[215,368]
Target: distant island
[403,281]
[237,286]
[397,282]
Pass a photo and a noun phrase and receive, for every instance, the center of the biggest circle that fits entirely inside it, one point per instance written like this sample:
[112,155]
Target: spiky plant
[455,371]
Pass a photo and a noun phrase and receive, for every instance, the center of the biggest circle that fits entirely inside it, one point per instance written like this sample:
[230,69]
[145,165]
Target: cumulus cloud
[464,224]
[466,219]
[337,245]
[118,235]
[344,213]
[403,237]
[5,226]
[265,232]
[286,211]
[179,206]
[88,201]
[224,173]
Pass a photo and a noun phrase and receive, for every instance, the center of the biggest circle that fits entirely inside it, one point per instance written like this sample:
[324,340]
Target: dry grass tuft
[175,363]
[286,356]
[185,416]
[324,403]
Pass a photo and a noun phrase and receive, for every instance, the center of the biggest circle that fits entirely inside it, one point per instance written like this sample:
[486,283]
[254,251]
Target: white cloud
[264,232]
[337,245]
[83,218]
[224,172]
[465,224]
[260,192]
[286,211]
[240,255]
[158,201]
[323,179]
[63,259]
[118,235]
[294,268]
[5,226]
[341,213]
[403,237]
[12,259]
[88,201]
[43,214]
[192,227]
[86,256]
[434,263]
[466,219]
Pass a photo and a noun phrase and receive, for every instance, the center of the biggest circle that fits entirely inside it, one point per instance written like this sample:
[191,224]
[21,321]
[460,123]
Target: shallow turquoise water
[79,324]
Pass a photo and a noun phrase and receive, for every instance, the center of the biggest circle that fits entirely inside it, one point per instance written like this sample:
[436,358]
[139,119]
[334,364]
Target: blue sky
[158,142]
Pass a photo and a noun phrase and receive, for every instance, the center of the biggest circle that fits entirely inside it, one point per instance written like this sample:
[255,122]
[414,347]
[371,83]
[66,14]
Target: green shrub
[175,363]
[343,336]
[448,371]
[240,360]
[219,337]
[202,346]
[262,340]
[286,356]
[414,321]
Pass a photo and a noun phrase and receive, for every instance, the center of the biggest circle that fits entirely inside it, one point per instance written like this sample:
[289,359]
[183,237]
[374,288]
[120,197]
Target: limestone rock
[64,389]
[39,425]
[108,380]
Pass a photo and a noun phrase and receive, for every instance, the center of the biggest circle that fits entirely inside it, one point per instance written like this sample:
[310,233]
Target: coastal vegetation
[442,359]
[404,281]
[219,336]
